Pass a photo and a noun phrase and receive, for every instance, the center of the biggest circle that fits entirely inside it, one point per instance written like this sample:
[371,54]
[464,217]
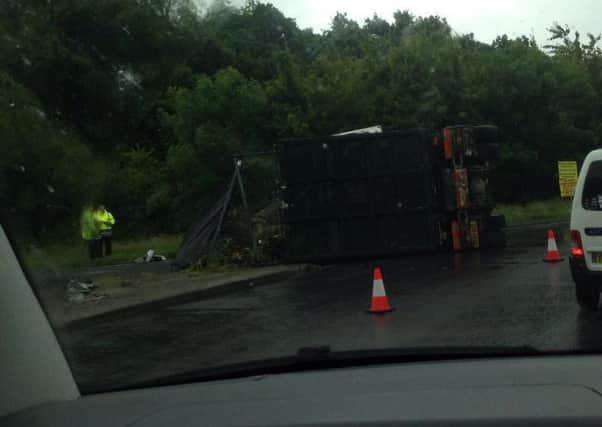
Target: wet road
[507,298]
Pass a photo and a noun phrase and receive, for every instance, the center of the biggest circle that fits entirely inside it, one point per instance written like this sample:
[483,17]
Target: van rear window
[592,189]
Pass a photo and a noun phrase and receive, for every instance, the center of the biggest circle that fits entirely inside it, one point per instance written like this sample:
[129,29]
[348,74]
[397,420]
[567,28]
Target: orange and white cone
[553,255]
[380,302]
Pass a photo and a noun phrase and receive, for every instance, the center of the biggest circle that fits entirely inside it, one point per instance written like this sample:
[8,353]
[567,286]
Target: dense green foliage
[142,103]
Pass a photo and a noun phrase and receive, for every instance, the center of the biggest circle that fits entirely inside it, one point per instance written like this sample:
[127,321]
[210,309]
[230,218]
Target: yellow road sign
[567,177]
[567,169]
[567,188]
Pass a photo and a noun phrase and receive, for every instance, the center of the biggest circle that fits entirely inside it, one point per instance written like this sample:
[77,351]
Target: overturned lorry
[373,194]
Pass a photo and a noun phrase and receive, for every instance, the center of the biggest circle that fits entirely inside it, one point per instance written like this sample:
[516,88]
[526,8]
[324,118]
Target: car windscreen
[197,184]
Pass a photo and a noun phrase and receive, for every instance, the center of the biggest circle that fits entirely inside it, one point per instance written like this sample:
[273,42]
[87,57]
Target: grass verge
[76,255]
[538,211]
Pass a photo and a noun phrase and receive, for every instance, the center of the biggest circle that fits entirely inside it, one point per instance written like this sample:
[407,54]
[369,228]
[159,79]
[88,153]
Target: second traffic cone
[552,255]
[380,302]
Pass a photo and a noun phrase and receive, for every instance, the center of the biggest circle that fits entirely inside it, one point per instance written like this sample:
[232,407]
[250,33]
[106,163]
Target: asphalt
[495,298]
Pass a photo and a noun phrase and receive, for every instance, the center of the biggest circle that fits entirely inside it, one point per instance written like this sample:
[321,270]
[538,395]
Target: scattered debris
[78,291]
[150,256]
[309,268]
[75,296]
[94,298]
[77,286]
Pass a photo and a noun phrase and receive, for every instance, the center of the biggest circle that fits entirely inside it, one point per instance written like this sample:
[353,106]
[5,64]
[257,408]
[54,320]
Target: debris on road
[74,296]
[150,256]
[75,286]
[78,291]
[94,298]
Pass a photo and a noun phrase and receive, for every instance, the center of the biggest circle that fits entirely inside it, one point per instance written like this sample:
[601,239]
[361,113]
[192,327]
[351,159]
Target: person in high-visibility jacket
[106,222]
[90,231]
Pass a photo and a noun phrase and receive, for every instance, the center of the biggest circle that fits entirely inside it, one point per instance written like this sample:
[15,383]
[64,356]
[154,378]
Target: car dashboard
[541,390]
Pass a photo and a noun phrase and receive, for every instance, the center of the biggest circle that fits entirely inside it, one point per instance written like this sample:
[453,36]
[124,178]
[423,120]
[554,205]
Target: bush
[138,194]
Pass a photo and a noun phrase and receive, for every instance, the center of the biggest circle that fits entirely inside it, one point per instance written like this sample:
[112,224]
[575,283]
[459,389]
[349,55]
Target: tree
[46,172]
[155,96]
[219,117]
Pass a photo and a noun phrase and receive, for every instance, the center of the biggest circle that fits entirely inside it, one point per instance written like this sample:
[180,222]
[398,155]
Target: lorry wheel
[489,151]
[495,222]
[494,240]
[588,294]
[486,133]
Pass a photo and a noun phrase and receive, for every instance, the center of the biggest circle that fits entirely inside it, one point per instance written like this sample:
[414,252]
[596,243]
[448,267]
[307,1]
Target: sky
[485,18]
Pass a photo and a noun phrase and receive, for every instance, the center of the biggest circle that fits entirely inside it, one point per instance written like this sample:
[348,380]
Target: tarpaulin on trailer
[202,235]
[199,237]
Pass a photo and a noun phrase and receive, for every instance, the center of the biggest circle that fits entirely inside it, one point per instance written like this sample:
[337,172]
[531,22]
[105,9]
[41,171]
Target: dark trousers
[106,245]
[94,248]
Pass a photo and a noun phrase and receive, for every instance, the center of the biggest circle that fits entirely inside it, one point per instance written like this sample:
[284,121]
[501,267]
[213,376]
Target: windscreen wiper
[322,357]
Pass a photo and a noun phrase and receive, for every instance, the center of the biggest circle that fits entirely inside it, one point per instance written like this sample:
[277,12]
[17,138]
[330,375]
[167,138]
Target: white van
[586,232]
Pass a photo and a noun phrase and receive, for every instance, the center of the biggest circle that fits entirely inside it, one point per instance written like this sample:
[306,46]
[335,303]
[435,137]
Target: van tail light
[576,244]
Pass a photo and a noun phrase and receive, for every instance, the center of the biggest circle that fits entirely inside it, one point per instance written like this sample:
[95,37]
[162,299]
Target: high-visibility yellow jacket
[105,219]
[89,227]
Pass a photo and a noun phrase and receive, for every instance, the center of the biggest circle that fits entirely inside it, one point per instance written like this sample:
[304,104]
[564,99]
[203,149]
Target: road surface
[504,298]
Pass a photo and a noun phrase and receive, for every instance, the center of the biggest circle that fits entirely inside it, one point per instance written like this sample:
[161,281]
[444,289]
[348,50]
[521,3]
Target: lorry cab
[586,232]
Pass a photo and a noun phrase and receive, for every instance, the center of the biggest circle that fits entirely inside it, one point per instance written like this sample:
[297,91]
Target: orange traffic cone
[380,302]
[553,255]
